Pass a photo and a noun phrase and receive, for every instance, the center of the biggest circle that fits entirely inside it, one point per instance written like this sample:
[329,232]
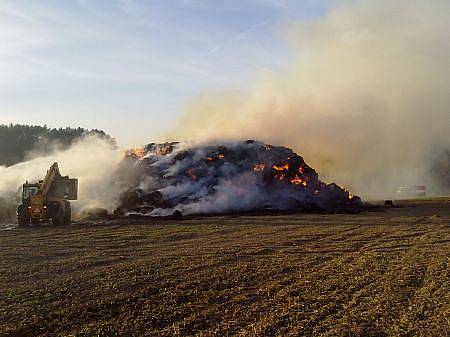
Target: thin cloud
[81,56]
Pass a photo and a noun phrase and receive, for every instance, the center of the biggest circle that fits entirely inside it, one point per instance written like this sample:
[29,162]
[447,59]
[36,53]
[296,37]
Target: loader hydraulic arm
[50,177]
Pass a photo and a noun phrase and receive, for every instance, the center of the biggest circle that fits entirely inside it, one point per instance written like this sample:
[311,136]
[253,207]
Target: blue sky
[129,66]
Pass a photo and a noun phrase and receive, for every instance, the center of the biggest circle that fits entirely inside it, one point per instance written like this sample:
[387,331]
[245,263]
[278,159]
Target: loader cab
[29,190]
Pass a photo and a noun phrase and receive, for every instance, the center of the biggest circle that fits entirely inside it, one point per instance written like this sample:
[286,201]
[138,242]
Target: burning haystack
[231,177]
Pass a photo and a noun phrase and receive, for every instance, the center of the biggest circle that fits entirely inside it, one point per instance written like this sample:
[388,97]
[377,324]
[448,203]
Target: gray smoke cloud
[92,160]
[225,177]
[366,101]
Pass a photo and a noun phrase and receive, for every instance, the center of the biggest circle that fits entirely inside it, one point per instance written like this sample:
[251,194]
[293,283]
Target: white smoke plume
[366,102]
[92,160]
[223,178]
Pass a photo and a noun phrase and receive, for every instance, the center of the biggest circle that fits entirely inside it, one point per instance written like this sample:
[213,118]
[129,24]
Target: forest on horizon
[17,141]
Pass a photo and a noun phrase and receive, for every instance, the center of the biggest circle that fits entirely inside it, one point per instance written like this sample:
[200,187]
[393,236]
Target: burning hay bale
[240,176]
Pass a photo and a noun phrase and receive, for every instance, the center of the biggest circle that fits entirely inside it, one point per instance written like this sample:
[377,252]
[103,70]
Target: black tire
[177,215]
[22,217]
[59,216]
[68,214]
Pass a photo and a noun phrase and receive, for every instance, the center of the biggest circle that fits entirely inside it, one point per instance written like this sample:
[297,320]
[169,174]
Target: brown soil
[372,274]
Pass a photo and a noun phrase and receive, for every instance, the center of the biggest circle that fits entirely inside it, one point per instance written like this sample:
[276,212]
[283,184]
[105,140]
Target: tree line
[17,141]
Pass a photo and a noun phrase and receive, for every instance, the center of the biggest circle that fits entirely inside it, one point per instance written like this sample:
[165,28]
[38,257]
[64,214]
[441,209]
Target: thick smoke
[91,160]
[225,177]
[366,101]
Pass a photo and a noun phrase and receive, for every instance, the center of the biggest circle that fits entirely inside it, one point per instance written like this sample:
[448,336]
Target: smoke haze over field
[92,160]
[366,102]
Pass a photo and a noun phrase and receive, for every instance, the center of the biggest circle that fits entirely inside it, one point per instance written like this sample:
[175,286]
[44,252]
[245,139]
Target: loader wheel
[59,217]
[68,214]
[22,216]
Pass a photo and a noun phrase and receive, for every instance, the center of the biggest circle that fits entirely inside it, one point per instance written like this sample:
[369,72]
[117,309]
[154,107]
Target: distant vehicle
[48,199]
[412,191]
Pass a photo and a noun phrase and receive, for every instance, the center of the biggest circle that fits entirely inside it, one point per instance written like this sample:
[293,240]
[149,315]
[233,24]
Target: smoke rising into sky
[127,66]
[363,95]
[366,101]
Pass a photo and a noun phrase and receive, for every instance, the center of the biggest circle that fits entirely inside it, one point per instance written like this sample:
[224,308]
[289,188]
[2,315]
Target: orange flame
[220,156]
[137,152]
[350,195]
[284,167]
[298,181]
[259,167]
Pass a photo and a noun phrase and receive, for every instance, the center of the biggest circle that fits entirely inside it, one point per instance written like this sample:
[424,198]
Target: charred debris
[175,179]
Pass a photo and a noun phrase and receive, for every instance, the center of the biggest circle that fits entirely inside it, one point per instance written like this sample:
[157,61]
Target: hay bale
[94,213]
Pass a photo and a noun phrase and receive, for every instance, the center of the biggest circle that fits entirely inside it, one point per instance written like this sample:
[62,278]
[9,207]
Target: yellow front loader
[48,199]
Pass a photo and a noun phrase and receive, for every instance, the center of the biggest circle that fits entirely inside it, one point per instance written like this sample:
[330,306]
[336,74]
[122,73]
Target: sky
[129,66]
